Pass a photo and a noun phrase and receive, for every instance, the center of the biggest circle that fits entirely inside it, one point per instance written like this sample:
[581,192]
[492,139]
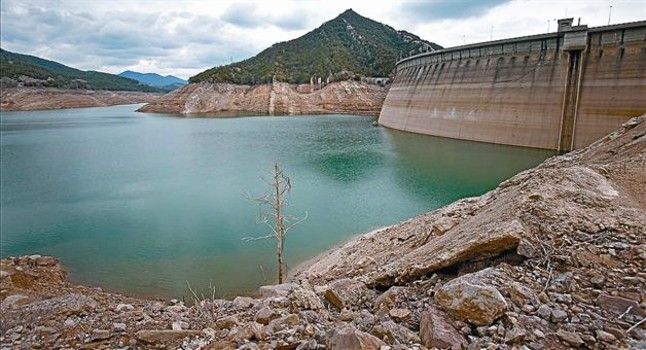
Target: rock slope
[29,99]
[277,98]
[551,259]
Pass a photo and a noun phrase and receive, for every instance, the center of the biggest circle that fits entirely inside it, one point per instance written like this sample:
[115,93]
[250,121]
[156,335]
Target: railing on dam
[558,90]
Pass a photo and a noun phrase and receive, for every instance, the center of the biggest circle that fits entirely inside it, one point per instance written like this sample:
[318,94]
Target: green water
[142,203]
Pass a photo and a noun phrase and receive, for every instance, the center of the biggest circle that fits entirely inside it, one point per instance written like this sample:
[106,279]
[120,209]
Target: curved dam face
[558,91]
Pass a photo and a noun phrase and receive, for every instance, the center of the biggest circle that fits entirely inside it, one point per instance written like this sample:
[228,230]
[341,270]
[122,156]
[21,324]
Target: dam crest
[560,90]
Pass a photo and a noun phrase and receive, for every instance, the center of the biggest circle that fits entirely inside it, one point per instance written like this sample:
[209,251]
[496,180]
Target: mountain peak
[349,43]
[168,82]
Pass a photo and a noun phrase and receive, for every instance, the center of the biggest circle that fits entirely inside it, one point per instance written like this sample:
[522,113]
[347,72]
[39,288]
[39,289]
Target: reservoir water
[144,203]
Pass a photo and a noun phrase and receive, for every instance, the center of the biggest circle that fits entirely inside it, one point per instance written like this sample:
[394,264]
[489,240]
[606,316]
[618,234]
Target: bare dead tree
[272,213]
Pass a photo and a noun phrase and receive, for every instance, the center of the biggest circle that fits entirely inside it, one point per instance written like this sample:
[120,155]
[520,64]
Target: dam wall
[558,90]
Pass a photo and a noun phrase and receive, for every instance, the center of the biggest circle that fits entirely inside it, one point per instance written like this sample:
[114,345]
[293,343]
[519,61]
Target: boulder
[436,332]
[227,322]
[283,322]
[345,292]
[265,315]
[159,336]
[277,290]
[306,299]
[468,299]
[453,247]
[15,300]
[243,302]
[349,338]
[390,298]
[618,305]
[394,333]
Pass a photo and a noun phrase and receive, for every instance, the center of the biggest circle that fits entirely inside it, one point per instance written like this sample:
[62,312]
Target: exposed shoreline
[34,99]
[305,265]
[343,97]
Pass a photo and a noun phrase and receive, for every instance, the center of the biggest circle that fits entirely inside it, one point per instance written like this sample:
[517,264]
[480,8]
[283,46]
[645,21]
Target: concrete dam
[561,90]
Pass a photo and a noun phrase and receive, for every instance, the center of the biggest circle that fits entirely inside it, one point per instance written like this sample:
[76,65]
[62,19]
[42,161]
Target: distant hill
[348,43]
[167,83]
[34,71]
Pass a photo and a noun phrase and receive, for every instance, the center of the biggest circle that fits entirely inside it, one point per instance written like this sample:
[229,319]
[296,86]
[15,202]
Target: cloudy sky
[186,37]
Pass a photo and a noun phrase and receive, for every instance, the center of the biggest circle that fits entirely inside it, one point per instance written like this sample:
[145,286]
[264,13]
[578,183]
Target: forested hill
[348,43]
[26,70]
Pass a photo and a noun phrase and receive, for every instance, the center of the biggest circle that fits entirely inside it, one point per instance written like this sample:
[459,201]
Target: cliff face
[28,99]
[278,98]
[551,259]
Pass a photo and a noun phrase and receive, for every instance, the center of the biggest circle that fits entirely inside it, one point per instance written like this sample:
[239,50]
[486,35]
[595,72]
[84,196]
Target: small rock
[243,302]
[46,261]
[15,301]
[597,280]
[69,322]
[179,325]
[395,333]
[45,330]
[119,327]
[558,315]
[100,334]
[515,335]
[399,314]
[222,345]
[390,298]
[526,249]
[538,333]
[306,299]
[544,311]
[569,337]
[605,336]
[520,294]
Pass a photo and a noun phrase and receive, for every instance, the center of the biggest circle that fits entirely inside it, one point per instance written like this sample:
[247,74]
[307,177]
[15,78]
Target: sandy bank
[29,99]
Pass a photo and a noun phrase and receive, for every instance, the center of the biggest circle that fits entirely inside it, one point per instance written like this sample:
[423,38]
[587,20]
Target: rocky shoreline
[346,97]
[551,259]
[37,98]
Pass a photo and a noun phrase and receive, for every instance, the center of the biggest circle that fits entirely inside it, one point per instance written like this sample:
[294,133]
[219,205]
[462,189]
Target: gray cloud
[114,40]
[247,15]
[242,15]
[446,9]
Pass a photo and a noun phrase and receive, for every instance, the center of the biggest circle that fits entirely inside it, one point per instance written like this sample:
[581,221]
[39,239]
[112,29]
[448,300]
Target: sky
[183,38]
